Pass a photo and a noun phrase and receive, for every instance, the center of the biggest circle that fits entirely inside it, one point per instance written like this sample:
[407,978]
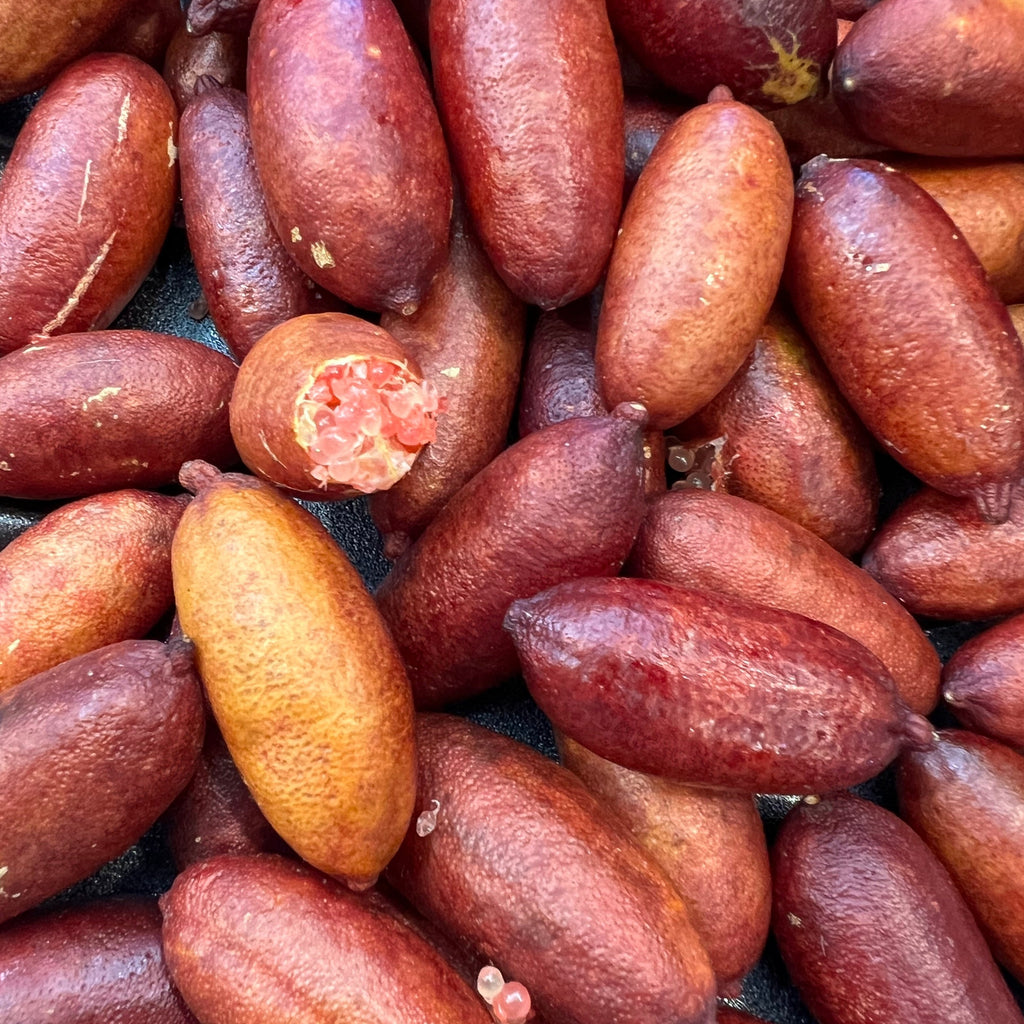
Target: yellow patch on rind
[794,78]
[321,255]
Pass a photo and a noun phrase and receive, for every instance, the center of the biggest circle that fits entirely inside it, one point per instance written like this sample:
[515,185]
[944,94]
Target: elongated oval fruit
[467,338]
[86,413]
[90,573]
[931,76]
[774,426]
[302,676]
[531,98]
[871,927]
[561,503]
[709,842]
[357,178]
[92,752]
[35,45]
[86,198]
[85,964]
[328,406]
[760,556]
[985,199]
[697,262]
[965,798]
[940,558]
[983,683]
[247,276]
[258,940]
[767,54]
[515,842]
[909,327]
[709,689]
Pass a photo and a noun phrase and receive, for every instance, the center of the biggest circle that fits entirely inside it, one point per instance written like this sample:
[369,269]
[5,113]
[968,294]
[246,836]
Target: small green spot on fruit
[793,77]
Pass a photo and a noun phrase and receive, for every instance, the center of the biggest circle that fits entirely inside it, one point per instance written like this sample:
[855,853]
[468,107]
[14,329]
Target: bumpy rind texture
[357,179]
[467,338]
[99,963]
[517,840]
[983,683]
[709,689]
[560,378]
[247,276]
[92,752]
[965,798]
[561,503]
[931,78]
[93,412]
[86,198]
[872,928]
[258,939]
[697,262]
[303,679]
[710,843]
[90,573]
[768,54]
[909,327]
[782,419]
[216,813]
[985,199]
[531,98]
[763,557]
[941,559]
[36,43]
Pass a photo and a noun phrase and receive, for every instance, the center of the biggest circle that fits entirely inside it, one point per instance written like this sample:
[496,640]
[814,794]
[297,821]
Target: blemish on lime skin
[794,77]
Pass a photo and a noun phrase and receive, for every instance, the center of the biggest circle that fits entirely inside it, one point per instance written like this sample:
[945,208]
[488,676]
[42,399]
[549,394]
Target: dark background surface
[170,301]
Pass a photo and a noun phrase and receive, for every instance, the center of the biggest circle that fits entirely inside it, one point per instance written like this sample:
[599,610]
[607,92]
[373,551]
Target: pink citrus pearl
[512,1004]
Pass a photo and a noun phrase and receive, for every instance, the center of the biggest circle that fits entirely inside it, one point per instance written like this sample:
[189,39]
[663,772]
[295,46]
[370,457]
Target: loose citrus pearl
[427,821]
[489,983]
[512,1004]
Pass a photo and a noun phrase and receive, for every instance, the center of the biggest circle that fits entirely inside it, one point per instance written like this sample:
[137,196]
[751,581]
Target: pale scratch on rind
[321,255]
[122,121]
[263,441]
[85,189]
[81,288]
[172,149]
[99,396]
